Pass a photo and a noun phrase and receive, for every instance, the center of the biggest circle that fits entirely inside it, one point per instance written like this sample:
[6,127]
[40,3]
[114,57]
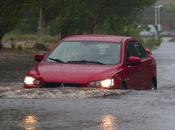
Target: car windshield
[86,52]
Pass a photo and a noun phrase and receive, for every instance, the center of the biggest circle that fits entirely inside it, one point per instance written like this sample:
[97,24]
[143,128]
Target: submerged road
[95,110]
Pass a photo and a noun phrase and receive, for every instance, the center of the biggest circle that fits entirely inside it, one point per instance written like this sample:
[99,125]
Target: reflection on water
[108,122]
[30,122]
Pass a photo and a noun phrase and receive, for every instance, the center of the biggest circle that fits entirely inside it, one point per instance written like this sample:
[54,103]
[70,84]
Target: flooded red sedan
[98,61]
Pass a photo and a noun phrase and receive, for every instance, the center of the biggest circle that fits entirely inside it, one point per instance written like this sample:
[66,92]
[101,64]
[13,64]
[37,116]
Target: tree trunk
[1,46]
[91,31]
[92,27]
[63,34]
[40,27]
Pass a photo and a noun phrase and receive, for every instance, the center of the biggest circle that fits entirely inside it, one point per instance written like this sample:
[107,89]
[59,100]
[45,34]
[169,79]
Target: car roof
[98,38]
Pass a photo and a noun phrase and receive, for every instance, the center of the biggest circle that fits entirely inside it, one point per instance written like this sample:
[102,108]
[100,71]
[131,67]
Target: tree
[73,16]
[11,12]
[113,15]
[99,16]
[45,11]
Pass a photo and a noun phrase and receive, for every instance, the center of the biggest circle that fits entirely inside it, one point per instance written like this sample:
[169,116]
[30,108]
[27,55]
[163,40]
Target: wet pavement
[165,56]
[90,109]
[137,110]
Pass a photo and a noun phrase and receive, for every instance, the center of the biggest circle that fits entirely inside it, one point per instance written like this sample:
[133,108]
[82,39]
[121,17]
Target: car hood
[75,73]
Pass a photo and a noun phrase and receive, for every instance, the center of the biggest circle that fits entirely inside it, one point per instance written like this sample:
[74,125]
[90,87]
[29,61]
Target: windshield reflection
[95,52]
[108,122]
[30,122]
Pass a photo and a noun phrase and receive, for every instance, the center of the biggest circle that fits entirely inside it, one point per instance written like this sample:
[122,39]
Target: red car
[100,61]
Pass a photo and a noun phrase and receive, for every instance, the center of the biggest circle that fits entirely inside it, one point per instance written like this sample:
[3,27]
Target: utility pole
[40,28]
[156,19]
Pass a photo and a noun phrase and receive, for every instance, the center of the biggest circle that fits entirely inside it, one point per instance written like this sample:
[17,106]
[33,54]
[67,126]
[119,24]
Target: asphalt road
[77,109]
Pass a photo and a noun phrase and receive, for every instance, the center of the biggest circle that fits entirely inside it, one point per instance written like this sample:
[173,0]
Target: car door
[133,72]
[145,73]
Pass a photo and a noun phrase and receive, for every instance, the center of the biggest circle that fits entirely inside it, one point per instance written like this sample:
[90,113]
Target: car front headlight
[107,83]
[31,80]
[104,83]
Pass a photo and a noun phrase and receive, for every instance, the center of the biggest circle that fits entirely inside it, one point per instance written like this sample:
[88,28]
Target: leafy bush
[39,46]
[19,47]
[151,43]
[26,37]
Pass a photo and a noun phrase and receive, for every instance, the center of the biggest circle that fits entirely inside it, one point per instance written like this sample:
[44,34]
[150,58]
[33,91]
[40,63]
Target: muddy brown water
[14,65]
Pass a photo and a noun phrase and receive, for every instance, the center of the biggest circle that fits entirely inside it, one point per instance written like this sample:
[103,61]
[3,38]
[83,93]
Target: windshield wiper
[85,62]
[56,60]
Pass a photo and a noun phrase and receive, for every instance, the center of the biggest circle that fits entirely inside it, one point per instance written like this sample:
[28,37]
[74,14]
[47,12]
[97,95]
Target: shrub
[151,43]
[39,46]
[19,47]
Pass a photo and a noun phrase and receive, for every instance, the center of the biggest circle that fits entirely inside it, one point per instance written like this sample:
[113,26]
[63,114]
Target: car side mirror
[148,51]
[133,60]
[48,49]
[39,57]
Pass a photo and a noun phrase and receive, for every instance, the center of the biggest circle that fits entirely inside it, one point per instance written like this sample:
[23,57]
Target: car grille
[53,85]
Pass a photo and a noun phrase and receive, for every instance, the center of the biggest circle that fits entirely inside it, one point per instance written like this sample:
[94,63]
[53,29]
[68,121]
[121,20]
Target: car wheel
[154,84]
[123,86]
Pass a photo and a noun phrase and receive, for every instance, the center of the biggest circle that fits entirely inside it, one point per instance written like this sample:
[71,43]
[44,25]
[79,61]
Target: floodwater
[90,109]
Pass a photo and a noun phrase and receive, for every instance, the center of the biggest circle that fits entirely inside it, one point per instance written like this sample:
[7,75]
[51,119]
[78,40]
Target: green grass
[33,37]
[151,43]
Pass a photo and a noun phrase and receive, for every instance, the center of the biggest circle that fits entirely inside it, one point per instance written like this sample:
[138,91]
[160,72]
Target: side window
[141,53]
[131,50]
[135,49]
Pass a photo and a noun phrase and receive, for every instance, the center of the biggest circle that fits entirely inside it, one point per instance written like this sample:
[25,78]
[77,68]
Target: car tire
[123,86]
[154,84]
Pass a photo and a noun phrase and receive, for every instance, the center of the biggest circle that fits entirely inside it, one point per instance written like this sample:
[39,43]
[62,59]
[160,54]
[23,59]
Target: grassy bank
[32,37]
[28,41]
[151,43]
